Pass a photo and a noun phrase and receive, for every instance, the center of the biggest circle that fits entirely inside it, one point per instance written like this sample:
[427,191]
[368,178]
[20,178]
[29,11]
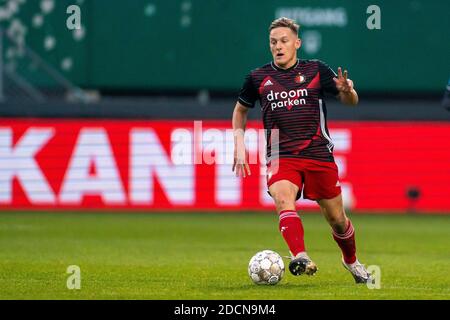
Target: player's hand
[343,84]
[240,165]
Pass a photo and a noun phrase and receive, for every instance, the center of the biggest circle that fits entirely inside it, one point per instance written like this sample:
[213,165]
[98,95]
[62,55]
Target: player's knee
[338,223]
[283,199]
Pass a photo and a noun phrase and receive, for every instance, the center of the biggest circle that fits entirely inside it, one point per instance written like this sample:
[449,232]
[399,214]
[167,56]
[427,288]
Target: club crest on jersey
[300,78]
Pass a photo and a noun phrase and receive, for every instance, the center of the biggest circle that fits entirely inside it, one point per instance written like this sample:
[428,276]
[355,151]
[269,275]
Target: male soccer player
[291,93]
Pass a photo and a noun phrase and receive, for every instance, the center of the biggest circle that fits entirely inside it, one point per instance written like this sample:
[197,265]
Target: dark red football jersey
[292,101]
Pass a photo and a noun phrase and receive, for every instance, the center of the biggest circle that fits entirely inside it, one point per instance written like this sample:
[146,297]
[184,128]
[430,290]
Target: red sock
[346,242]
[291,229]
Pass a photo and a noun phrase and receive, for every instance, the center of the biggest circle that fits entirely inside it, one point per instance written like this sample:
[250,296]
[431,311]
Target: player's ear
[298,43]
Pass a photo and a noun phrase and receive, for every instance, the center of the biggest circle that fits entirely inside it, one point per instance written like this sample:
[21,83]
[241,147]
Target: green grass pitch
[205,256]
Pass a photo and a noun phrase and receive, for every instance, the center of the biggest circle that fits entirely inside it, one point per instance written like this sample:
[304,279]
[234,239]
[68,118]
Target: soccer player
[291,92]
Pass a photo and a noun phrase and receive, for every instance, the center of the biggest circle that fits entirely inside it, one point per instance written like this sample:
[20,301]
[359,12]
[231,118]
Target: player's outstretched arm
[240,165]
[347,93]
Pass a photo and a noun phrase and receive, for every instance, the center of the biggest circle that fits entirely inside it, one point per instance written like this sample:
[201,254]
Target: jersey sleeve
[326,79]
[248,93]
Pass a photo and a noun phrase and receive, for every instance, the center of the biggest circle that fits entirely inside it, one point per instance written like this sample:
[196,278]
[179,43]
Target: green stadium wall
[192,45]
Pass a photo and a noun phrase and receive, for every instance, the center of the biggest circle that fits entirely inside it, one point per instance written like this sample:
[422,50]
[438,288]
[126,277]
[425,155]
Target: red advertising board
[114,164]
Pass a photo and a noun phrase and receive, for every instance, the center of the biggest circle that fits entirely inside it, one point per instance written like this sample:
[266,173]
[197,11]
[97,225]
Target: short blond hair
[286,23]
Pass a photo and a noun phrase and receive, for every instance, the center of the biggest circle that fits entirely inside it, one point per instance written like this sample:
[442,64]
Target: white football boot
[359,272]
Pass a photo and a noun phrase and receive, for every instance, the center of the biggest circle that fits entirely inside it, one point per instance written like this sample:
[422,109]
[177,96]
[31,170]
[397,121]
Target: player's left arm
[347,93]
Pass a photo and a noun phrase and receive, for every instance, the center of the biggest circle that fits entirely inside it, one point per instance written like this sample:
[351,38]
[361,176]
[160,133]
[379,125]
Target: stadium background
[90,118]
[186,60]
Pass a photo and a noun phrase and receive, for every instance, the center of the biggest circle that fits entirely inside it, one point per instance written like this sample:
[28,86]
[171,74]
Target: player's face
[284,44]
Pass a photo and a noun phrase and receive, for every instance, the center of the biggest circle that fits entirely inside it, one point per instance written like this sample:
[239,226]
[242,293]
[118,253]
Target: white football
[266,267]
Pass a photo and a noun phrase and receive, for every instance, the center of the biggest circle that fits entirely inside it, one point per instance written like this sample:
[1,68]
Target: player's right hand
[240,165]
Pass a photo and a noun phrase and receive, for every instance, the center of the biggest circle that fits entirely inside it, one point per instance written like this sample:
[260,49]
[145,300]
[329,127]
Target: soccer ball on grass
[266,267]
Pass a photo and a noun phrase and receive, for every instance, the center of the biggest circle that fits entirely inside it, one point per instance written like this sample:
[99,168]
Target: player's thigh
[283,178]
[284,194]
[321,180]
[333,210]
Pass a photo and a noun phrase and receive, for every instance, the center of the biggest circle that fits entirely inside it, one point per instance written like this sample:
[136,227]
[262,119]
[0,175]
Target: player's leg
[322,184]
[285,185]
[344,235]
[284,194]
[342,228]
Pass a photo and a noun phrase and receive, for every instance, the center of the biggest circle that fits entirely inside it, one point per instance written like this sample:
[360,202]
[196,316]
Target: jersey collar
[274,66]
